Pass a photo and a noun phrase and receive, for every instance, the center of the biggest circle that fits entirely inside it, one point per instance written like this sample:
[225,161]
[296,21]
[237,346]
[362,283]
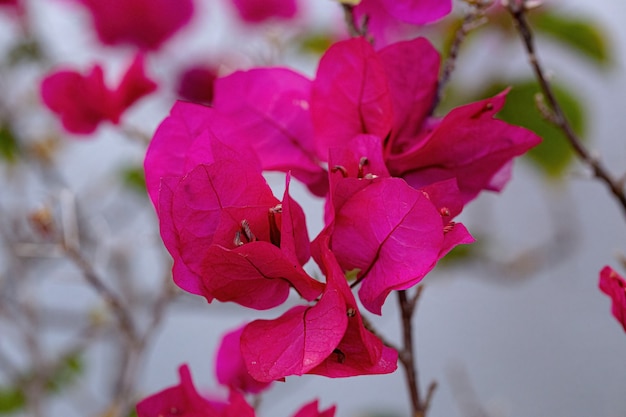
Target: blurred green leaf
[554,155]
[11,400]
[578,33]
[315,43]
[65,373]
[462,253]
[134,178]
[9,148]
[25,50]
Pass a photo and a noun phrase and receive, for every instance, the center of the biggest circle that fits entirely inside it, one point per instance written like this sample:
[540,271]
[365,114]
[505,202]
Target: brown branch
[407,355]
[518,9]
[109,297]
[473,19]
[354,28]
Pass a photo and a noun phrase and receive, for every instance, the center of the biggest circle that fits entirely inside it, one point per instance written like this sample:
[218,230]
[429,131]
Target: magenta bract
[231,239]
[388,19]
[613,285]
[468,144]
[84,101]
[392,234]
[268,110]
[230,368]
[326,339]
[350,95]
[390,94]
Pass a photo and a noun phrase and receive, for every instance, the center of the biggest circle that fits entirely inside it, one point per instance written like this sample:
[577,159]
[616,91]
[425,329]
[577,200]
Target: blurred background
[513,326]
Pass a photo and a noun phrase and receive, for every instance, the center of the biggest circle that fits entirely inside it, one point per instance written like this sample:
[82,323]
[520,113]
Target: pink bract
[392,234]
[388,20]
[146,24]
[390,94]
[230,368]
[268,110]
[326,339]
[614,285]
[468,144]
[231,239]
[255,11]
[84,101]
[350,95]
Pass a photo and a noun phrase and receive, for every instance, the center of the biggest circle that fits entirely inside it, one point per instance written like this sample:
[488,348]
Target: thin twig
[474,18]
[518,9]
[354,28]
[109,297]
[407,355]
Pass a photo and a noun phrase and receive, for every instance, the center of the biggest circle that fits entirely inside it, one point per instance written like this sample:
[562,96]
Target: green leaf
[315,43]
[554,155]
[134,178]
[65,373]
[577,33]
[12,399]
[463,253]
[24,51]
[9,148]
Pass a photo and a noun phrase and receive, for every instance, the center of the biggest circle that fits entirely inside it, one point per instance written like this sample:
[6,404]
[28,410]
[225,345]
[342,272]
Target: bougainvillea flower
[84,101]
[231,239]
[146,24]
[390,94]
[613,285]
[183,400]
[268,110]
[326,339]
[311,410]
[230,369]
[387,18]
[255,11]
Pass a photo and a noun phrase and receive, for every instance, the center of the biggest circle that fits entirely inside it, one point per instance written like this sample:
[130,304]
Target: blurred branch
[474,18]
[354,28]
[518,10]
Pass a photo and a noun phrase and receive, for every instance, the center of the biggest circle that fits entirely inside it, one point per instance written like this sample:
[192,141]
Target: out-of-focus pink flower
[255,11]
[230,368]
[13,3]
[387,18]
[84,101]
[146,24]
[196,84]
[183,400]
[613,285]
[327,339]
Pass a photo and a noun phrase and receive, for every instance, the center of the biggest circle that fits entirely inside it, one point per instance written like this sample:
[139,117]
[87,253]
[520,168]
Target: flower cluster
[361,135]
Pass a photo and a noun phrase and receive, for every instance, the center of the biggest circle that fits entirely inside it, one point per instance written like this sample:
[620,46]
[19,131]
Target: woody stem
[407,355]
